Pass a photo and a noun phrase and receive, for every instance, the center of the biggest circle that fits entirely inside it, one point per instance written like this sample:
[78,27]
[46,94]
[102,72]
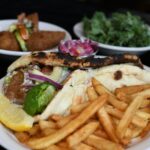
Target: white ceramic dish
[9,141]
[4,25]
[110,49]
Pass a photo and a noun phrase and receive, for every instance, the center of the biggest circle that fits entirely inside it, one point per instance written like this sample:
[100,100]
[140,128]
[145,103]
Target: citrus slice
[13,116]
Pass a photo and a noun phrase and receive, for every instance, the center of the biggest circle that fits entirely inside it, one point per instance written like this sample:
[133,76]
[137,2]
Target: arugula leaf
[120,30]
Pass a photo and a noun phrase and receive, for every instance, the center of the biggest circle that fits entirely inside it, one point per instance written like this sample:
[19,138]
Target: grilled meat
[60,59]
[43,40]
[8,41]
[14,90]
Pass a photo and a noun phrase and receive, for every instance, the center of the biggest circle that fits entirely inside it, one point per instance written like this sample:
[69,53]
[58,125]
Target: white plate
[110,49]
[9,141]
[4,25]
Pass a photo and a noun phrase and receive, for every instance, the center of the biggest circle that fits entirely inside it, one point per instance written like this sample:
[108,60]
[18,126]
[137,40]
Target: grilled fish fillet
[60,59]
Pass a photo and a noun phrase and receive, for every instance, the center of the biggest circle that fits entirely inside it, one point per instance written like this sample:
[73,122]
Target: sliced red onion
[78,47]
[45,79]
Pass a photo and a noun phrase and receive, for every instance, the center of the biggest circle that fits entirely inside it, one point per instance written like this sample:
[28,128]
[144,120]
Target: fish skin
[61,59]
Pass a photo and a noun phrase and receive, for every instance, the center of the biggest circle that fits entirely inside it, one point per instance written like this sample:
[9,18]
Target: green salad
[121,29]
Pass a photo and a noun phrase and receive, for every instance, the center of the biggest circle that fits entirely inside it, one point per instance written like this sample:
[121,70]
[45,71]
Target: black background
[66,13]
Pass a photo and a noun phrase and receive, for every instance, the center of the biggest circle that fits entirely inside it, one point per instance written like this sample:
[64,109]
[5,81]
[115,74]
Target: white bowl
[106,49]
[4,25]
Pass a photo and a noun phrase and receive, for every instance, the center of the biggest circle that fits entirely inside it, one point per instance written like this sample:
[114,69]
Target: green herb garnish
[122,29]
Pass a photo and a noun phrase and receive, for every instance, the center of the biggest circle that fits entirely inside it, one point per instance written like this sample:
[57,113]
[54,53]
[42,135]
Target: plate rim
[112,47]
[20,53]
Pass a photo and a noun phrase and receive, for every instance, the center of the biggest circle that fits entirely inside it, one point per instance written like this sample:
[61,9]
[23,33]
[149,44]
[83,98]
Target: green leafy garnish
[122,29]
[38,97]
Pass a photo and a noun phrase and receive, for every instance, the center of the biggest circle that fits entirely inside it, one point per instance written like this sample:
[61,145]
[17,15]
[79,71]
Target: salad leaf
[122,29]
[38,97]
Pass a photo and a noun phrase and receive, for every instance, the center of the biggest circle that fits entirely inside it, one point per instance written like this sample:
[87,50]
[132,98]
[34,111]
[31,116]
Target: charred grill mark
[60,59]
[128,58]
[39,55]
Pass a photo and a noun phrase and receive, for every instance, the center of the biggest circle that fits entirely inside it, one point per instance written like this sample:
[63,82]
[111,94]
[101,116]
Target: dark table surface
[66,13]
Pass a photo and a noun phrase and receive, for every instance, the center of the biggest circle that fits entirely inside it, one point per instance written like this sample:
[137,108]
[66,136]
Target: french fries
[124,97]
[48,131]
[78,108]
[22,136]
[146,109]
[81,134]
[102,144]
[34,130]
[145,130]
[107,121]
[100,89]
[138,120]
[53,147]
[92,95]
[47,124]
[114,112]
[44,142]
[62,122]
[83,146]
[128,115]
[55,117]
[101,133]
[136,132]
[132,89]
[63,144]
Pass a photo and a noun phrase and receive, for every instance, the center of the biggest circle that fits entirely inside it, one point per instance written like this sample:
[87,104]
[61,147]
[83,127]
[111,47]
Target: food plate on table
[91,103]
[13,47]
[99,24]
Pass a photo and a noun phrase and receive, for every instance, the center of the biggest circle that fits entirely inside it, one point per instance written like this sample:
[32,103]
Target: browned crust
[44,40]
[60,59]
[8,41]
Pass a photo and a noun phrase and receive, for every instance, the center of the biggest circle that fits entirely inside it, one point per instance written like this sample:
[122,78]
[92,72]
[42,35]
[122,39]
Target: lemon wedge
[13,116]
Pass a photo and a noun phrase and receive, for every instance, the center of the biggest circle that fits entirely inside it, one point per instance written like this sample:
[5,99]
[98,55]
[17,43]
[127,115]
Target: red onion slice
[45,79]
[78,48]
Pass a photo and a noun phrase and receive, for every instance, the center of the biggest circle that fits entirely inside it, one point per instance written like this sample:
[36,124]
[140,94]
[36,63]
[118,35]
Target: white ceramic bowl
[4,25]
[106,49]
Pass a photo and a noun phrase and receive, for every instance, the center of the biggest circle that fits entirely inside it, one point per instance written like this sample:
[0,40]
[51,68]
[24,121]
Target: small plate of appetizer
[28,34]
[120,33]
